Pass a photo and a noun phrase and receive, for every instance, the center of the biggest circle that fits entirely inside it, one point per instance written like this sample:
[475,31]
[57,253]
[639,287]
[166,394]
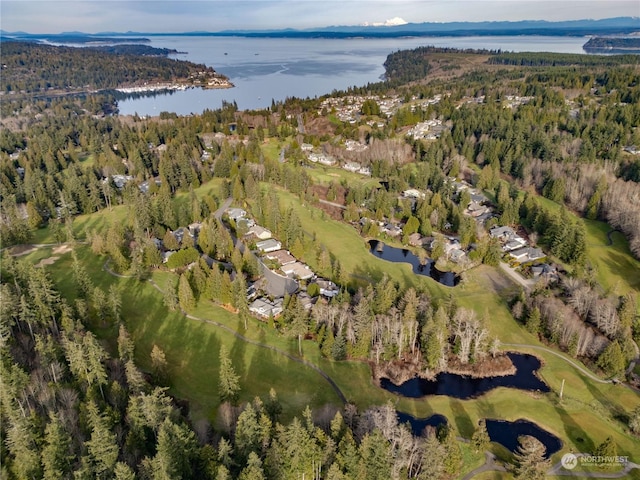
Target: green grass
[616,269]
[588,413]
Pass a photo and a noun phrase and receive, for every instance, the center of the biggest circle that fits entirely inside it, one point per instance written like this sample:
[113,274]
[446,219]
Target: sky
[93,16]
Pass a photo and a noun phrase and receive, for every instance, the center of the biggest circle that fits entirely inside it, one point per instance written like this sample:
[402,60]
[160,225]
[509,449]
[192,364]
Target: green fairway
[616,269]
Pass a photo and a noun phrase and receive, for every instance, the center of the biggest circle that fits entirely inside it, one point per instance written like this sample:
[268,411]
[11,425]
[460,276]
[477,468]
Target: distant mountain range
[608,26]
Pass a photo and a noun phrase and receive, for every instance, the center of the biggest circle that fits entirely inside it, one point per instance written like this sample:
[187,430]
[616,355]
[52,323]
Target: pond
[464,387]
[419,424]
[506,434]
[402,255]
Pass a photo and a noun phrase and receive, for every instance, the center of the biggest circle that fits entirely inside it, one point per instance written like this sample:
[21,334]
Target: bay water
[266,69]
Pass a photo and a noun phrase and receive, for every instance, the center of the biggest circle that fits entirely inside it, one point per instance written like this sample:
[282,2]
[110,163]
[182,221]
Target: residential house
[413,193]
[416,240]
[527,254]
[327,288]
[305,300]
[503,234]
[236,213]
[265,308]
[269,245]
[457,255]
[259,232]
[283,257]
[351,166]
[297,270]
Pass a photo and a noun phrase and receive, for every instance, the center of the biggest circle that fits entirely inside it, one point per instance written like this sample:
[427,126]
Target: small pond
[506,434]
[464,387]
[402,255]
[419,424]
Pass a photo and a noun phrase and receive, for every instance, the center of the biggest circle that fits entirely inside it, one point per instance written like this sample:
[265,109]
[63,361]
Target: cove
[464,387]
[402,255]
[419,424]
[506,434]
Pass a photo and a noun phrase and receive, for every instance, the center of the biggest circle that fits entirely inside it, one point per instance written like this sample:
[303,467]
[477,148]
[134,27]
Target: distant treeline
[30,67]
[409,65]
[613,44]
[547,59]
[130,49]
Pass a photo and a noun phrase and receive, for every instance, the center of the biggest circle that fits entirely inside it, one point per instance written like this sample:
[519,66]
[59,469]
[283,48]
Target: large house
[527,254]
[298,270]
[265,308]
[236,213]
[283,257]
[270,245]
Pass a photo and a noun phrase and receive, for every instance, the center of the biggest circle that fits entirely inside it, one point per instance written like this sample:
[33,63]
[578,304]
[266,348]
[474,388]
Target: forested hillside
[31,68]
[433,161]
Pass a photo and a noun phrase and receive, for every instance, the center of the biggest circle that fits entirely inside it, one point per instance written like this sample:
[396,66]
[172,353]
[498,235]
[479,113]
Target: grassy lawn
[588,413]
[616,269]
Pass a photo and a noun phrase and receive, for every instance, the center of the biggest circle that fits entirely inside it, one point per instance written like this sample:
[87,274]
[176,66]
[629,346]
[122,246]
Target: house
[545,270]
[180,233]
[451,244]
[259,232]
[166,255]
[305,300]
[476,210]
[194,228]
[236,213]
[352,166]
[502,233]
[527,254]
[297,270]
[245,223]
[283,257]
[514,244]
[416,240]
[327,288]
[265,308]
[392,230]
[269,245]
[306,147]
[413,193]
[457,255]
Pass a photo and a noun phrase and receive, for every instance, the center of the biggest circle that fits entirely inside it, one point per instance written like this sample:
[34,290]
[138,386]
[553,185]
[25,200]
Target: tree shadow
[461,418]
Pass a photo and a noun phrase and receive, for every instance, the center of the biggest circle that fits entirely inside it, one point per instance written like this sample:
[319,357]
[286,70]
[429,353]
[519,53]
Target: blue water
[506,434]
[402,255]
[463,387]
[263,69]
[419,424]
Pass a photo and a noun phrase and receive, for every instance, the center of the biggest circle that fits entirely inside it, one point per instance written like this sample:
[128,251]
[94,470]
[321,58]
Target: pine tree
[480,438]
[186,298]
[531,463]
[229,381]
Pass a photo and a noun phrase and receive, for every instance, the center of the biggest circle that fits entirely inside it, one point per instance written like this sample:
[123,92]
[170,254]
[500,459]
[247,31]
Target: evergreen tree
[480,438]
[229,381]
[531,463]
[186,298]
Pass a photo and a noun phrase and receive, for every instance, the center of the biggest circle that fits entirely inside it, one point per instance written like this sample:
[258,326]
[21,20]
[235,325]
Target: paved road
[223,208]
[489,465]
[526,283]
